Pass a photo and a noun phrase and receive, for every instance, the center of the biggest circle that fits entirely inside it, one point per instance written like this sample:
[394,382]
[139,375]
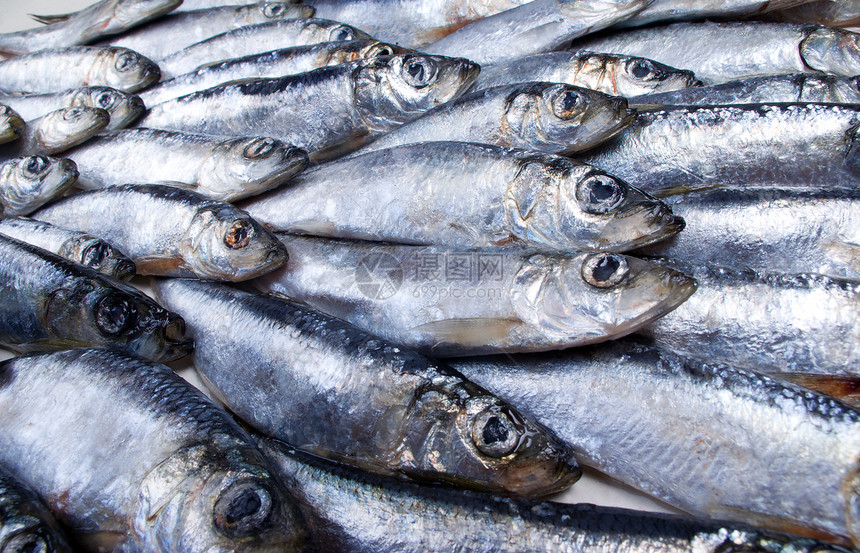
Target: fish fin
[468,332]
[844,388]
[49,19]
[683,189]
[158,265]
[313,228]
[777,523]
[49,344]
[433,34]
[646,107]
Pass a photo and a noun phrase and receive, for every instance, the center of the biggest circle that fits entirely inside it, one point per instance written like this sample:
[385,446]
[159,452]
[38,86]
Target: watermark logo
[379,276]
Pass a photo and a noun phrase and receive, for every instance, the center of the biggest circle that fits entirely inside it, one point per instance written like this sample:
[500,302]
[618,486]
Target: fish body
[130,457]
[123,107]
[219,169]
[26,183]
[463,195]
[836,13]
[57,131]
[446,302]
[11,124]
[333,390]
[170,231]
[675,10]
[27,525]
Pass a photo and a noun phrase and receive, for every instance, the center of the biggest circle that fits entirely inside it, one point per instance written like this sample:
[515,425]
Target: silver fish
[447,302]
[609,73]
[720,52]
[63,68]
[680,148]
[52,303]
[711,439]
[344,394]
[224,170]
[766,322]
[27,525]
[170,231]
[550,117]
[837,13]
[100,19]
[790,231]
[255,39]
[463,195]
[361,99]
[132,458]
[791,88]
[123,107]
[689,10]
[536,27]
[57,131]
[350,512]
[75,246]
[27,183]
[277,63]
[177,31]
[11,124]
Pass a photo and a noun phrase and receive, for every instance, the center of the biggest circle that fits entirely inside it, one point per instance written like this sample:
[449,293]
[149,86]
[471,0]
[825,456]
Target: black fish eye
[384,51]
[567,104]
[274,10]
[341,33]
[35,165]
[259,148]
[418,72]
[243,510]
[644,69]
[238,235]
[599,194]
[95,254]
[604,270]
[105,100]
[494,433]
[114,315]
[126,61]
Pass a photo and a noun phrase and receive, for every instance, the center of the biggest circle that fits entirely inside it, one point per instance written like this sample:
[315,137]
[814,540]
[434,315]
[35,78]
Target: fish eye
[126,61]
[73,114]
[341,33]
[243,510]
[604,270]
[418,72]
[238,235]
[259,148]
[95,254]
[494,433]
[114,315]
[644,69]
[382,50]
[567,104]
[274,10]
[106,100]
[35,165]
[599,194]
[26,542]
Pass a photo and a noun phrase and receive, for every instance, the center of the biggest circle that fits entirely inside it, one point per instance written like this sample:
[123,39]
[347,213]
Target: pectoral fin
[469,332]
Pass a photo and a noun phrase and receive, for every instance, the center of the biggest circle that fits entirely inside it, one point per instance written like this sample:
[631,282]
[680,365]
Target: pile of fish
[429,258]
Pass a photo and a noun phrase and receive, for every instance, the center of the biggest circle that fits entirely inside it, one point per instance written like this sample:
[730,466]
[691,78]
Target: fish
[97,20]
[790,88]
[361,99]
[27,524]
[11,124]
[720,52]
[448,302]
[172,232]
[59,69]
[608,73]
[26,183]
[255,39]
[79,247]
[785,230]
[277,63]
[219,169]
[692,10]
[124,108]
[130,457]
[177,31]
[532,28]
[550,117]
[676,149]
[53,303]
[464,195]
[57,131]
[353,512]
[835,13]
[341,393]
[711,439]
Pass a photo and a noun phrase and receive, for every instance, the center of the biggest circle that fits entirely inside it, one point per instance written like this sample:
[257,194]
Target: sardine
[335,391]
[27,526]
[720,52]
[132,458]
[462,195]
[177,31]
[27,183]
[711,439]
[219,169]
[277,63]
[351,512]
[123,107]
[448,302]
[360,99]
[64,68]
[609,73]
[837,13]
[677,149]
[533,28]
[170,231]
[691,10]
[792,88]
[57,131]
[790,231]
[11,124]
[52,303]
[256,39]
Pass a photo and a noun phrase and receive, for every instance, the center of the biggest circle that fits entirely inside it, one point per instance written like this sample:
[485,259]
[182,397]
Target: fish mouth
[668,225]
[542,480]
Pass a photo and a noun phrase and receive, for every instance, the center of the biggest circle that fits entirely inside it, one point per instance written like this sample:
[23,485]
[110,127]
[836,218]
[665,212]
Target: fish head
[562,205]
[61,129]
[247,166]
[123,69]
[595,295]
[96,253]
[634,76]
[315,31]
[123,107]
[200,500]
[832,50]
[29,182]
[225,243]
[847,91]
[11,124]
[292,9]
[392,90]
[562,118]
[29,534]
